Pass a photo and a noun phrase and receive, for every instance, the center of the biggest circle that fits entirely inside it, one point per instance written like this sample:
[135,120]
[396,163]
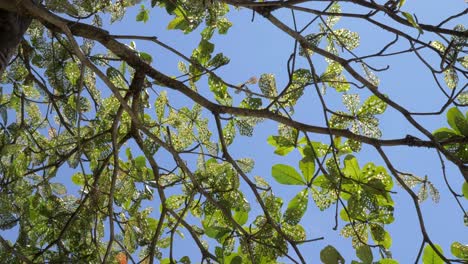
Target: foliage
[107,159]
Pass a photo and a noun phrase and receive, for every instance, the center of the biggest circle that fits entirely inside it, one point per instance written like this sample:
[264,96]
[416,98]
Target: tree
[105,158]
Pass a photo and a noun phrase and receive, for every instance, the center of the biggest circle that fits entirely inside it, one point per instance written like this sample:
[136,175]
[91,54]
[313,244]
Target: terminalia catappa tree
[105,158]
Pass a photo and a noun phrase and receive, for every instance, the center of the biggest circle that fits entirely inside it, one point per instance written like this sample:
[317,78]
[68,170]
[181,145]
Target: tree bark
[12,28]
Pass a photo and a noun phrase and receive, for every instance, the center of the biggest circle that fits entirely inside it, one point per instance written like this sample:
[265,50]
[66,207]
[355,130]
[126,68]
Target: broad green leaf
[286,174]
[251,103]
[140,162]
[267,84]
[465,190]
[216,232]
[233,258]
[380,236]
[344,215]
[329,255]
[241,216]
[315,149]
[459,250]
[373,106]
[219,89]
[203,52]
[334,77]
[223,25]
[445,133]
[346,38]
[364,253]
[179,22]
[229,132]
[351,101]
[351,168]
[430,256]
[282,144]
[307,166]
[297,207]
[218,60]
[78,179]
[457,121]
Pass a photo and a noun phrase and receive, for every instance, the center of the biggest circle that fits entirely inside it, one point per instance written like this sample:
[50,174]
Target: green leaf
[267,84]
[430,256]
[387,261]
[233,258]
[78,179]
[380,236]
[329,255]
[459,250]
[364,253]
[297,207]
[216,231]
[373,106]
[143,15]
[401,3]
[58,188]
[223,25]
[282,144]
[451,78]
[218,60]
[146,57]
[179,22]
[351,168]
[332,20]
[72,71]
[457,122]
[465,190]
[219,89]
[411,20]
[307,166]
[346,38]
[286,174]
[241,216]
[7,219]
[445,133]
[140,162]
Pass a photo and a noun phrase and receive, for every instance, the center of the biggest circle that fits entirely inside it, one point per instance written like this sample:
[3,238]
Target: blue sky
[258,47]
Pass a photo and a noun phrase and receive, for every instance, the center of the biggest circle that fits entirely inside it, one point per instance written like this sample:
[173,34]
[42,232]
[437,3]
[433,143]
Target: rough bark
[12,28]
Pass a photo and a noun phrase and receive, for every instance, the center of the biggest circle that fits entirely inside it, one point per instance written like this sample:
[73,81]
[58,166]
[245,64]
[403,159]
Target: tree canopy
[116,146]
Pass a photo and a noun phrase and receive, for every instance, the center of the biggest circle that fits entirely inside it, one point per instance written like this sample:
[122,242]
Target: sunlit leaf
[286,174]
[459,250]
[430,256]
[297,207]
[329,255]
